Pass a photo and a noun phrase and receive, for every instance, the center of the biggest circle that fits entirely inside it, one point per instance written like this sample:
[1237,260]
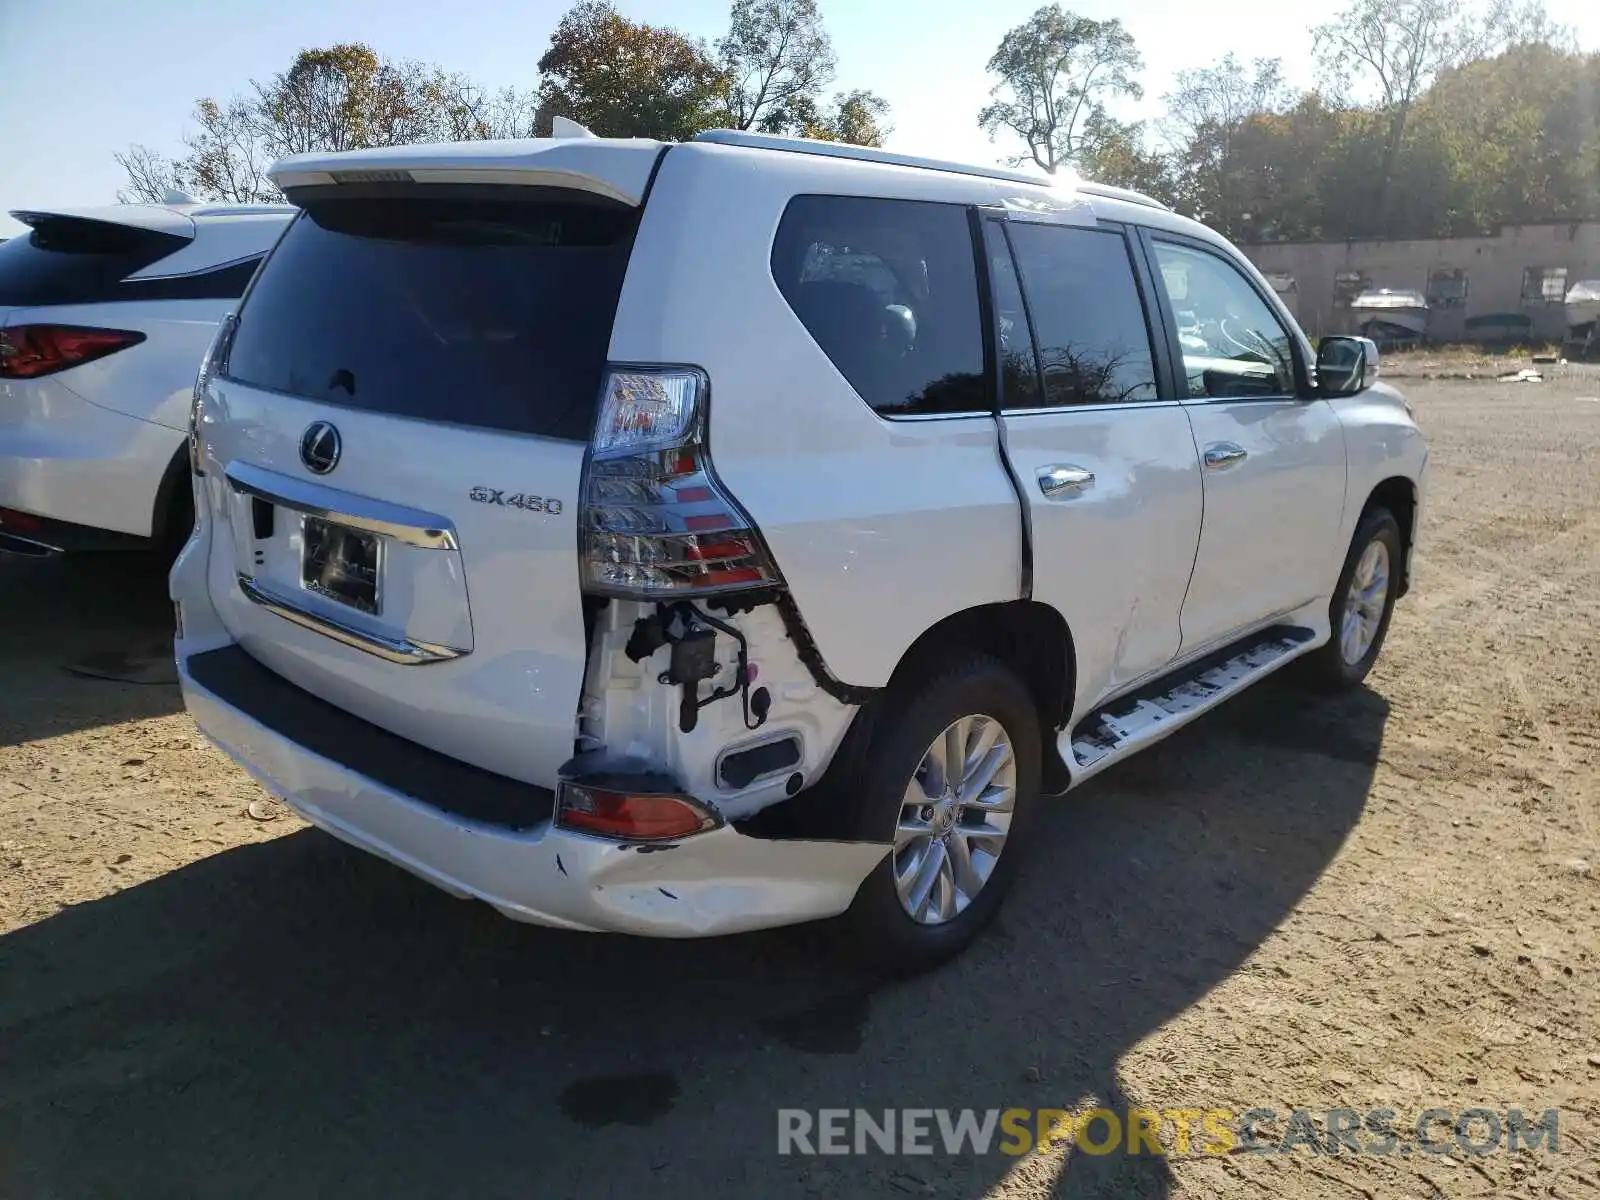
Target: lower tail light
[655,521]
[30,351]
[631,816]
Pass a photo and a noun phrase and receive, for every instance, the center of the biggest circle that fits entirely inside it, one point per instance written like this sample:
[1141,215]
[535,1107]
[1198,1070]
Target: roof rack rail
[1111,192]
[767,141]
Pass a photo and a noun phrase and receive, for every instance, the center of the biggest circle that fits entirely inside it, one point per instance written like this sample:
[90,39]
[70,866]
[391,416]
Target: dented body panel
[628,709]
[715,883]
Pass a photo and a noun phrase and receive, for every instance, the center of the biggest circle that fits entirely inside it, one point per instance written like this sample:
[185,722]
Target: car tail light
[29,351]
[215,361]
[655,522]
[636,817]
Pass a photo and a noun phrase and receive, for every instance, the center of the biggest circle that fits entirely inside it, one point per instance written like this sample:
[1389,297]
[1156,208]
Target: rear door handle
[1062,479]
[1220,456]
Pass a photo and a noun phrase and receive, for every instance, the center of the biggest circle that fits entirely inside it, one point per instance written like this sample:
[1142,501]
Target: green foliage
[776,59]
[342,97]
[856,117]
[622,78]
[1056,70]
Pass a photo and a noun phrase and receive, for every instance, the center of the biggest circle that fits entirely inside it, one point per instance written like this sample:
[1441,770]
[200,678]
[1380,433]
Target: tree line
[1428,118]
[770,72]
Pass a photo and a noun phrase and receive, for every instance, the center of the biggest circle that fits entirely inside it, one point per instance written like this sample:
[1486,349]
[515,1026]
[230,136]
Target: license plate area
[342,564]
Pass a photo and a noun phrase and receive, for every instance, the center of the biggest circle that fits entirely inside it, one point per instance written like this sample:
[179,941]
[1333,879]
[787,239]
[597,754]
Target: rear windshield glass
[66,260]
[492,312]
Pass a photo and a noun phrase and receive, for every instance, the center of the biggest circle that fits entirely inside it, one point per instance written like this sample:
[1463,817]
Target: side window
[889,291]
[1019,369]
[220,283]
[1093,342]
[1233,345]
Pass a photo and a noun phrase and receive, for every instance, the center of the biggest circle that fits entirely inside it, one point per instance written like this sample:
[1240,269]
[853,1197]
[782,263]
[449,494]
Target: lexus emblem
[319,447]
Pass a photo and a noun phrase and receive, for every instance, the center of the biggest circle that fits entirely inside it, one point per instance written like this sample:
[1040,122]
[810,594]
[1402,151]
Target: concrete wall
[1493,267]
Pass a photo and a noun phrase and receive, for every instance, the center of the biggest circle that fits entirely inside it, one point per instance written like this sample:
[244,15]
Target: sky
[82,79]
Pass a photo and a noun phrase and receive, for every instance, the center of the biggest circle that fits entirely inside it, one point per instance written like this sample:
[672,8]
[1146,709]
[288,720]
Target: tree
[1120,158]
[1394,49]
[856,117]
[342,97]
[1205,114]
[1506,139]
[625,79]
[1055,72]
[776,59]
[151,175]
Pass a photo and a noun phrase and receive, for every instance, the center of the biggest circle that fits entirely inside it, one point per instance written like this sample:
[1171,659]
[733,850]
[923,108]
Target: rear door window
[889,290]
[69,260]
[1088,319]
[485,310]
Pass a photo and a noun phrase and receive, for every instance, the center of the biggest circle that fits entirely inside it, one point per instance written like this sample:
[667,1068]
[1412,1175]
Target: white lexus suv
[681,539]
[104,315]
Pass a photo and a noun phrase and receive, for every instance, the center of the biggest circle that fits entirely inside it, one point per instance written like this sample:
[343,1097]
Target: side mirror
[1345,366]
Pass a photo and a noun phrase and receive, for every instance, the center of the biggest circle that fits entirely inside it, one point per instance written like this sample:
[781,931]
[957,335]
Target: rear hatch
[71,260]
[118,304]
[394,440]
[81,256]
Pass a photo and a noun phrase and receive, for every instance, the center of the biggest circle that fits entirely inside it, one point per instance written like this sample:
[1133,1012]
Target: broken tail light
[655,522]
[31,351]
[647,816]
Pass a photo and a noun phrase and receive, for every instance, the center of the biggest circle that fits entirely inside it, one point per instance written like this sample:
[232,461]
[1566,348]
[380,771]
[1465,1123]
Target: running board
[1130,723]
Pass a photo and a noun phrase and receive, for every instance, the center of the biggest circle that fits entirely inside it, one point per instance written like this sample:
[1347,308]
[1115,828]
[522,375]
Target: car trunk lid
[394,446]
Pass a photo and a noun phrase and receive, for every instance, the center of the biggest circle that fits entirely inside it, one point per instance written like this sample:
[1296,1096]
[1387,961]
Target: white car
[104,315]
[682,539]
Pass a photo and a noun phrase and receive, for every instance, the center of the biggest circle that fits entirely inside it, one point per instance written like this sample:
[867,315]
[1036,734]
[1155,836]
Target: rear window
[68,260]
[889,290]
[492,312]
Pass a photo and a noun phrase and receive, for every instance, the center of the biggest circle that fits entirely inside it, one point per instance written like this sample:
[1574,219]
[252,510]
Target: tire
[1335,667]
[178,526]
[986,695]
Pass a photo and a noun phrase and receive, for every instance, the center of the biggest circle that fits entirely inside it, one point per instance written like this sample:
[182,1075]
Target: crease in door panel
[993,367]
[1199,533]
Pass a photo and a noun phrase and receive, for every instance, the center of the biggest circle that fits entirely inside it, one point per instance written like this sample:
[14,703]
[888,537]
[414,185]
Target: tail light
[30,351]
[215,361]
[650,816]
[655,522]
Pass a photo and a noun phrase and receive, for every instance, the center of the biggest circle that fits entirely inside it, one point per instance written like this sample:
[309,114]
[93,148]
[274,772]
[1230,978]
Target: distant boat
[1391,314]
[1583,316]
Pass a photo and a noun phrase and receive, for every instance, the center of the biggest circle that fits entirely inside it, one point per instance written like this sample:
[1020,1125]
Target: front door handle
[1220,456]
[1063,479]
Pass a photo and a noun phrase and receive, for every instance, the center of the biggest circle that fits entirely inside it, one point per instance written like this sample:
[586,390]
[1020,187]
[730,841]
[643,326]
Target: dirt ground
[1387,900]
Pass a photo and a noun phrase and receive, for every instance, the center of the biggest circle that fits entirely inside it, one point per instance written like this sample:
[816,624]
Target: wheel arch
[174,500]
[1398,494]
[1029,637]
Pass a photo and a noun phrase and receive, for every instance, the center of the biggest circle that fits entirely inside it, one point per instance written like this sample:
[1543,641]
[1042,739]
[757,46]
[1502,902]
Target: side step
[1130,723]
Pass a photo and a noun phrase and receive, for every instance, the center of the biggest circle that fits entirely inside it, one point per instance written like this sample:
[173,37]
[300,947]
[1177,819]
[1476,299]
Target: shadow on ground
[294,1018]
[84,642]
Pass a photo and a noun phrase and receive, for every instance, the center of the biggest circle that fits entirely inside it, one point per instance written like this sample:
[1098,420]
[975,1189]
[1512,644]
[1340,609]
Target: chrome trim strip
[1013,413]
[15,543]
[412,526]
[396,650]
[207,270]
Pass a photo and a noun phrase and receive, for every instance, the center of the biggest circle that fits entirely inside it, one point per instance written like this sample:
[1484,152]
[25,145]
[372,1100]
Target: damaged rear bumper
[716,882]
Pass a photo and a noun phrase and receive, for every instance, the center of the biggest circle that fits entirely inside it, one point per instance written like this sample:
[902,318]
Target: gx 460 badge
[538,504]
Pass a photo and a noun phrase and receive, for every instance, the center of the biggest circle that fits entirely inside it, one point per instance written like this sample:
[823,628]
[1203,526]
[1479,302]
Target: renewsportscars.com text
[1178,1131]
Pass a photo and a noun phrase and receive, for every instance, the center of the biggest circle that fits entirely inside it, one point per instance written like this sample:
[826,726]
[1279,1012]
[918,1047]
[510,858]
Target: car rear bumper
[717,882]
[71,461]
